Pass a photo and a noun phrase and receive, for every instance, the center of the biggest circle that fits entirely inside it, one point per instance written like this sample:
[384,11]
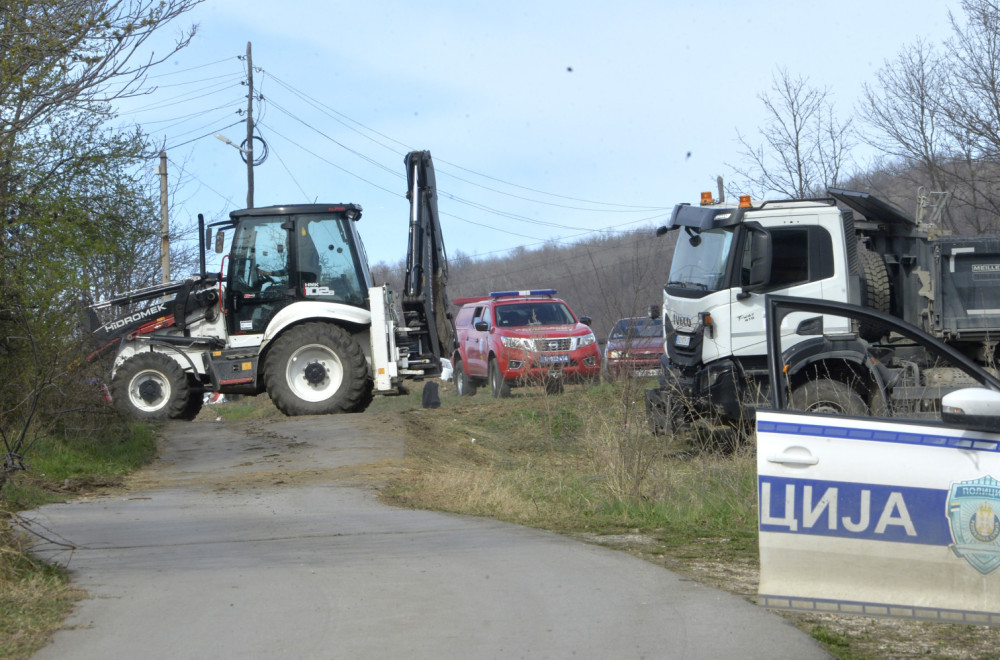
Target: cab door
[802,261]
[258,273]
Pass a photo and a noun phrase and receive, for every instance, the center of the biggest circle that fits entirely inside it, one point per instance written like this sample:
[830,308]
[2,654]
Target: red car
[634,347]
[512,338]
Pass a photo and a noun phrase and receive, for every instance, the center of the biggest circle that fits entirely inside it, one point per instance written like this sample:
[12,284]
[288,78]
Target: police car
[886,516]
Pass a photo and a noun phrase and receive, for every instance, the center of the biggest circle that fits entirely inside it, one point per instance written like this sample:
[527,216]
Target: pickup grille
[557,344]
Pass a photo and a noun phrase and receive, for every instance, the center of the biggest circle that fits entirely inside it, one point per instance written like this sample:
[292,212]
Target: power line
[192,68]
[319,105]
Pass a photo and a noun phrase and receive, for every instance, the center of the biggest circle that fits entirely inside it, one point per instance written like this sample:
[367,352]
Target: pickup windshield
[533,313]
[699,261]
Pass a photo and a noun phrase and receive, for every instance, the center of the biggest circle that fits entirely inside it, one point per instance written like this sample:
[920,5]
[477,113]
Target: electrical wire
[318,104]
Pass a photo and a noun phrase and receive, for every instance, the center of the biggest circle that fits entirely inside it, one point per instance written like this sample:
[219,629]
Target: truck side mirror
[654,312]
[220,242]
[586,320]
[481,326]
[760,259]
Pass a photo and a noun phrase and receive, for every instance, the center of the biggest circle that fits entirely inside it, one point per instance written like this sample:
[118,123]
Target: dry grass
[583,464]
[34,598]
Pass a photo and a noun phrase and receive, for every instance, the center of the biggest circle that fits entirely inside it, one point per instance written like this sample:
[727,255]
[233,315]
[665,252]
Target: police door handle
[793,459]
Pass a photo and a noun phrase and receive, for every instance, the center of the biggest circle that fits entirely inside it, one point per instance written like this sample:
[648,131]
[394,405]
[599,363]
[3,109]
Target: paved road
[256,540]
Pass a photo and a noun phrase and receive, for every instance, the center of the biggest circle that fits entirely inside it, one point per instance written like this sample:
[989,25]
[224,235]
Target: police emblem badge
[973,508]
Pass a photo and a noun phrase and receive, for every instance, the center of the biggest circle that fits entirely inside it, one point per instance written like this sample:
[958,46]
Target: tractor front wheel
[151,386]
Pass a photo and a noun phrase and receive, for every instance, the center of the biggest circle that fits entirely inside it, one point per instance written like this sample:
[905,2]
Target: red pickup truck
[512,338]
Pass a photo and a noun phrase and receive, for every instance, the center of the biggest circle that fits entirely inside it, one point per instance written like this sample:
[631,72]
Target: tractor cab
[286,254]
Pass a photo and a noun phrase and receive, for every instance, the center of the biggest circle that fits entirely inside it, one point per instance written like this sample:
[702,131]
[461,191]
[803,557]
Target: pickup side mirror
[481,326]
[760,259]
[586,320]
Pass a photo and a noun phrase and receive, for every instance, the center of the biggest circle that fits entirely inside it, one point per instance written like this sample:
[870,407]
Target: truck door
[896,517]
[802,259]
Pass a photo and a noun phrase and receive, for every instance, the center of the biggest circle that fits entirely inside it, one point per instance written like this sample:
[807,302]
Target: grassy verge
[36,597]
[583,464]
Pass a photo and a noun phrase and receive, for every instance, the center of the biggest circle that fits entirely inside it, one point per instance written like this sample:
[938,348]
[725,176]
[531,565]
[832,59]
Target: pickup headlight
[616,355]
[522,343]
[587,340]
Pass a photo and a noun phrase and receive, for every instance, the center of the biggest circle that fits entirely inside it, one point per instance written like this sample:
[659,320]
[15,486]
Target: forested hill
[606,277]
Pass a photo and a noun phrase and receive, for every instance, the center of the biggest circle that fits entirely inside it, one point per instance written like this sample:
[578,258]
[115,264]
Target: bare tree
[936,113]
[805,147]
[58,53]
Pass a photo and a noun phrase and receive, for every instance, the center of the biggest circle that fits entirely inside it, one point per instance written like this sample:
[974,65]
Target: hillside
[606,277]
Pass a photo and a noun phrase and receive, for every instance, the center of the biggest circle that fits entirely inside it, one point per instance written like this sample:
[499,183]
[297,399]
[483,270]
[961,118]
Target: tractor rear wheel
[317,369]
[151,386]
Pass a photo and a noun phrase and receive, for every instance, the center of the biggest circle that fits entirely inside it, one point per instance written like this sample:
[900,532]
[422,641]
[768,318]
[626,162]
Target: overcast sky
[546,120]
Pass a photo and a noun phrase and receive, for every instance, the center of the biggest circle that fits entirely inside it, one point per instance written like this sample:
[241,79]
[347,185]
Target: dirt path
[262,539]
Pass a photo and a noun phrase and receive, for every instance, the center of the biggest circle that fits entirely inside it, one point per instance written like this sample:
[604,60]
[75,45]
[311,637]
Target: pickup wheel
[151,386]
[317,369]
[827,396]
[498,386]
[463,384]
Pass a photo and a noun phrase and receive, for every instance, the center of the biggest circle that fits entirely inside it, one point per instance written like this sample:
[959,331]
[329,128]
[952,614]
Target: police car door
[894,517]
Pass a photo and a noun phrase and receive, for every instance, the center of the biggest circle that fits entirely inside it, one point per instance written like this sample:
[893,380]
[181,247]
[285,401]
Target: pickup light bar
[522,294]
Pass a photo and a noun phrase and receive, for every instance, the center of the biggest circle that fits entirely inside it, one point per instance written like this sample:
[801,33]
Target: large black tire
[463,384]
[317,369]
[827,396]
[196,401]
[554,386]
[498,386]
[151,386]
[366,399]
[875,292]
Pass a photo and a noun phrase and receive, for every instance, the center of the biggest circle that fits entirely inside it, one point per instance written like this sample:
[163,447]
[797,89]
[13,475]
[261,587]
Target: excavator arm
[430,327]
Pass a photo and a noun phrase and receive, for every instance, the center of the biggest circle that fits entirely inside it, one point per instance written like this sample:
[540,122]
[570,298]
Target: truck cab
[725,259]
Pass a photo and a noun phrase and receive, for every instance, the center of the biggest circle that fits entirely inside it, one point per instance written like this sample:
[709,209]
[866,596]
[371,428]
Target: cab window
[799,255]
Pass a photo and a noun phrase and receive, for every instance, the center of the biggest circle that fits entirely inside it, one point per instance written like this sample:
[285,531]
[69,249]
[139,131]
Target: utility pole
[249,150]
[164,221]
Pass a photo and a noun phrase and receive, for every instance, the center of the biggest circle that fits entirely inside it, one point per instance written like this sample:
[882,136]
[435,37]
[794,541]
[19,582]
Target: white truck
[293,312]
[727,257]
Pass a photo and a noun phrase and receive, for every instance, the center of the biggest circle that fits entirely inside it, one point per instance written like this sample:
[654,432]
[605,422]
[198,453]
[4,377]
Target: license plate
[682,340]
[554,359]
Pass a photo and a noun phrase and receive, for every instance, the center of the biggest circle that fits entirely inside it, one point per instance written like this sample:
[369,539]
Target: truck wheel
[151,386]
[875,292]
[463,384]
[827,396]
[317,369]
[498,386]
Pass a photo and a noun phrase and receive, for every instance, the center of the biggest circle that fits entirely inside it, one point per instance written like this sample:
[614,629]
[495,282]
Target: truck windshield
[699,261]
